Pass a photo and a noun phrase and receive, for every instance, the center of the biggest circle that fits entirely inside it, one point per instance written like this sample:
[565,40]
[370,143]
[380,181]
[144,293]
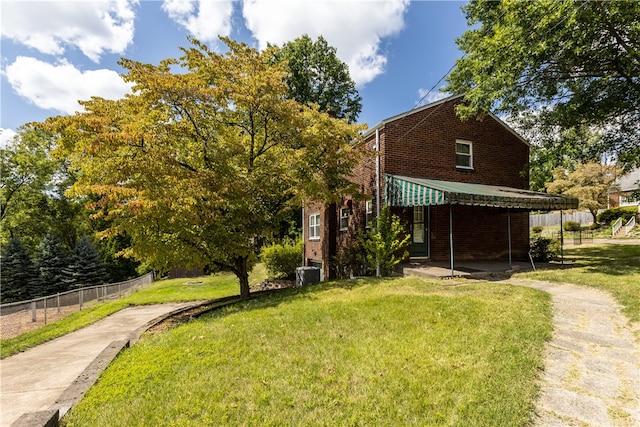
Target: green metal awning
[405,191]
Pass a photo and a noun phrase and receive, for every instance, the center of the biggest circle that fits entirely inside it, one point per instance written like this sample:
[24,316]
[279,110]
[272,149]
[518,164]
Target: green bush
[611,215]
[282,259]
[571,226]
[537,229]
[385,244]
[543,249]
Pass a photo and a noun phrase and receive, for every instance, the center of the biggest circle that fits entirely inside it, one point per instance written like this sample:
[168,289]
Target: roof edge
[382,123]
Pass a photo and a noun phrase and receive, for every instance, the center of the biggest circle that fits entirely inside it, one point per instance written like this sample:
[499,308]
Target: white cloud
[93,26]
[427,96]
[59,86]
[205,19]
[6,135]
[354,28]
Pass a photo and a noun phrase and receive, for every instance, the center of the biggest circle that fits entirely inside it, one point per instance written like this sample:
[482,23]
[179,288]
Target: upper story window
[314,226]
[464,154]
[368,213]
[344,218]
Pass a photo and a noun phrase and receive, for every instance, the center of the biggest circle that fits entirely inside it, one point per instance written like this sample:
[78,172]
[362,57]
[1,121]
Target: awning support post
[561,240]
[509,236]
[451,235]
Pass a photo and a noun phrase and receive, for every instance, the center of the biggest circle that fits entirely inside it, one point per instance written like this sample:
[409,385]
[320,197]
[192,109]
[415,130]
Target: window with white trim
[368,213]
[464,154]
[344,219]
[314,226]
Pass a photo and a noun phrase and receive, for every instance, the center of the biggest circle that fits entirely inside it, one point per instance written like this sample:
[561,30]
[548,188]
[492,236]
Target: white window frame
[469,154]
[344,219]
[368,218]
[314,226]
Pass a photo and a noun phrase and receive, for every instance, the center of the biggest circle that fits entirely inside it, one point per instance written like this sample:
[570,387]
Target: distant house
[461,188]
[623,188]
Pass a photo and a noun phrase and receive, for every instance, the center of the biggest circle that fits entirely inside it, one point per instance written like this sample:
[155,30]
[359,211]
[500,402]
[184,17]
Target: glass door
[419,232]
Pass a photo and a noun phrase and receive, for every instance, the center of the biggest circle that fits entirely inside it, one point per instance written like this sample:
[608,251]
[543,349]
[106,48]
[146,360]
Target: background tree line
[53,269]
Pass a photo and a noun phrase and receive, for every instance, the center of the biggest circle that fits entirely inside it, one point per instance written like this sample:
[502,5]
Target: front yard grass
[371,351]
[612,268]
[162,291]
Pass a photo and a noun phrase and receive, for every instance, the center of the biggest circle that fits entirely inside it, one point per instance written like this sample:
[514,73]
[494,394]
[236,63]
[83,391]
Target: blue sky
[55,52]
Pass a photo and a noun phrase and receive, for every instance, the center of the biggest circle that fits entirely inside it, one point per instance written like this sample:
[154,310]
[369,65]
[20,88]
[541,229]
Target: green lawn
[613,268]
[368,352]
[202,288]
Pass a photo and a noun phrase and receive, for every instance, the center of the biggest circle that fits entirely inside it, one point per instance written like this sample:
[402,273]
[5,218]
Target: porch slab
[471,269]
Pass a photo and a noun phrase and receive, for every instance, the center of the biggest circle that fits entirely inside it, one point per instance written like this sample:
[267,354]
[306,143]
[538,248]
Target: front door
[419,232]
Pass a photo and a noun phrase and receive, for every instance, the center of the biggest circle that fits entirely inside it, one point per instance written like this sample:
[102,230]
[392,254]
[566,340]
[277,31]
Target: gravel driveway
[592,363]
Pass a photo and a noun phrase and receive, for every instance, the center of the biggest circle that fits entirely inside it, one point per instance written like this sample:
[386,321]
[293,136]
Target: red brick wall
[316,251]
[422,145]
[478,233]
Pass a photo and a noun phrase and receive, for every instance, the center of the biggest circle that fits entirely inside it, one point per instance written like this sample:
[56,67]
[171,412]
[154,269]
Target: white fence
[75,298]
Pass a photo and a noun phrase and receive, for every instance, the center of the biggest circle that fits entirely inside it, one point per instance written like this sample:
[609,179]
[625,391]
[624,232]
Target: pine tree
[51,261]
[86,267]
[19,277]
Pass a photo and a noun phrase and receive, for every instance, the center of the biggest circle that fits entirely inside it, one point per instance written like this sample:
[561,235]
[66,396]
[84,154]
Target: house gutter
[377,192]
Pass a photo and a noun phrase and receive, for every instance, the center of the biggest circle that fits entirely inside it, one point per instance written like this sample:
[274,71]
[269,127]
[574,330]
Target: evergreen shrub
[571,226]
[611,215]
[543,249]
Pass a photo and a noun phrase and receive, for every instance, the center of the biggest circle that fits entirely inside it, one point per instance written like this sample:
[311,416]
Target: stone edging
[74,393]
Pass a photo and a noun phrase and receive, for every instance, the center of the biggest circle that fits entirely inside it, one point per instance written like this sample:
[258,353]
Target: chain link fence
[52,305]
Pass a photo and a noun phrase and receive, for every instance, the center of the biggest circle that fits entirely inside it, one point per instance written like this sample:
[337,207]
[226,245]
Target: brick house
[623,188]
[461,188]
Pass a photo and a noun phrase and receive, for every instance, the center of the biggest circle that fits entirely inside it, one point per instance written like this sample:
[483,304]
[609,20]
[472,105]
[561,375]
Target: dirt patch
[180,317]
[271,284]
[12,325]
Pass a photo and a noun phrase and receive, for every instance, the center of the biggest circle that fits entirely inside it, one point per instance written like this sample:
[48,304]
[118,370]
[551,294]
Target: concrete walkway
[592,363]
[50,376]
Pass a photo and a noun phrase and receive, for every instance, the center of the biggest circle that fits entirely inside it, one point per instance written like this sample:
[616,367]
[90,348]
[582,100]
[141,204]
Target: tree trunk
[242,274]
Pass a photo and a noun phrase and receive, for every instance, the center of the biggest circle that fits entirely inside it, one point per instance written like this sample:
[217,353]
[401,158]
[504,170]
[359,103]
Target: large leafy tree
[589,182]
[32,192]
[204,156]
[316,75]
[556,65]
[26,174]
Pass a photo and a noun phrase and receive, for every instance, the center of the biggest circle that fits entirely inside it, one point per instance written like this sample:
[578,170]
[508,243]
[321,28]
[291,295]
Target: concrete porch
[473,268]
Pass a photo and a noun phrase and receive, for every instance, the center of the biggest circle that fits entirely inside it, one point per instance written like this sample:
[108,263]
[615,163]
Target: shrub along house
[461,188]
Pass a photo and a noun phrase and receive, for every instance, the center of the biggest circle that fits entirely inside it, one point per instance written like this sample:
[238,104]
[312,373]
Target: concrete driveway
[46,377]
[592,363]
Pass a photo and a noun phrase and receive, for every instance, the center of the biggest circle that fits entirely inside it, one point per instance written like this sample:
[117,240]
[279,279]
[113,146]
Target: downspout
[304,247]
[451,233]
[378,274]
[509,236]
[561,240]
